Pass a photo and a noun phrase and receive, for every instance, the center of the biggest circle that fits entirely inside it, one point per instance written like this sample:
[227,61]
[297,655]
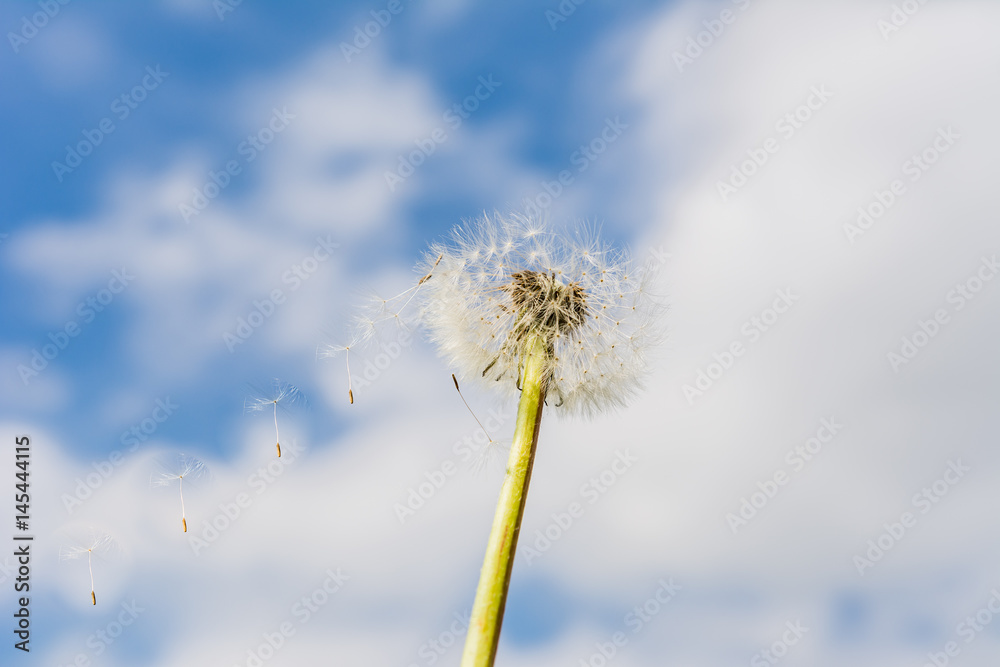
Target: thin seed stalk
[494,578]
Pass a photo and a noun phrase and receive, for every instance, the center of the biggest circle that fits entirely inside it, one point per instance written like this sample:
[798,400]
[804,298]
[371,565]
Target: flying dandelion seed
[283,395]
[334,350]
[455,380]
[100,544]
[427,276]
[393,309]
[186,467]
[539,316]
[370,324]
[492,450]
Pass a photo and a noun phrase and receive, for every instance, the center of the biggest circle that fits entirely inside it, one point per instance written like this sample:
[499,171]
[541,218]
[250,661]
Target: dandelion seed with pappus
[283,395]
[492,450]
[100,544]
[541,316]
[186,467]
[380,313]
[334,350]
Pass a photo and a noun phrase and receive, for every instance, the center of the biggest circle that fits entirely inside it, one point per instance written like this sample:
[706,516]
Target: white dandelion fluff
[283,395]
[184,468]
[504,278]
[101,544]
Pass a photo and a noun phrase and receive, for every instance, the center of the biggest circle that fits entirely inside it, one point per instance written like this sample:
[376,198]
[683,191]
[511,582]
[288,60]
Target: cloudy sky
[197,196]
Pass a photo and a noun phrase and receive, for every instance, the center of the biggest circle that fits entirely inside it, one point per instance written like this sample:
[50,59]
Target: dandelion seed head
[502,279]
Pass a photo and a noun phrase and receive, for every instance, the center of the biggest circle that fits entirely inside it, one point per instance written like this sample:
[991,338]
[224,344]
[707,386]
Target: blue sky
[220,57]
[813,182]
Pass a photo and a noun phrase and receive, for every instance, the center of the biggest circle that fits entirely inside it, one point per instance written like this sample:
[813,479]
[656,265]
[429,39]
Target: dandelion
[283,395]
[506,284]
[186,467]
[99,543]
[542,317]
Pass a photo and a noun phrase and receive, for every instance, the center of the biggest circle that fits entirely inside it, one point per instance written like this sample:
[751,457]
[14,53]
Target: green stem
[494,578]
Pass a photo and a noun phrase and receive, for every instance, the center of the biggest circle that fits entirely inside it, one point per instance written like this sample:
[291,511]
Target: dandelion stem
[494,579]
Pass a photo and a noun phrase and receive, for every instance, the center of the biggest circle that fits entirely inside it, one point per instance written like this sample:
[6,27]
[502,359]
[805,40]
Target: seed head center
[545,304]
